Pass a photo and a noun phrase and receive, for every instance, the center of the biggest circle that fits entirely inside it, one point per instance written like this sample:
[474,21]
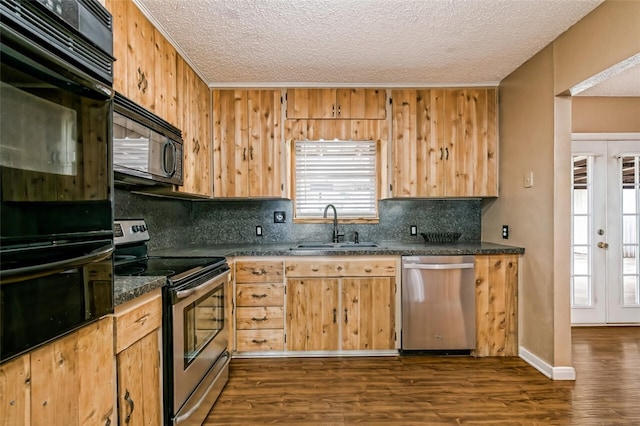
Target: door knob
[603,245]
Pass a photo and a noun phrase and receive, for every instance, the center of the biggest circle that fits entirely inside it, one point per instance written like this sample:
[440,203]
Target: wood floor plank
[415,390]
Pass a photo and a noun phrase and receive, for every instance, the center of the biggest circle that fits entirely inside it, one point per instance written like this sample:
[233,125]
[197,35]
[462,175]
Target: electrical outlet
[258,231]
[505,232]
[279,217]
[414,230]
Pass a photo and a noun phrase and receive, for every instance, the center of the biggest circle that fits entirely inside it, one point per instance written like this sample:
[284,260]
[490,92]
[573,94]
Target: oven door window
[203,320]
[54,154]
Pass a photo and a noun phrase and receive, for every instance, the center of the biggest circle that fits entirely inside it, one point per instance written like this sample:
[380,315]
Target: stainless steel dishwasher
[438,303]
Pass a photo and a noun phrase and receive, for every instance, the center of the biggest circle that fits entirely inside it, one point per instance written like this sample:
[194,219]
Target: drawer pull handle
[314,269]
[259,272]
[259,342]
[259,296]
[346,316]
[335,312]
[367,270]
[259,319]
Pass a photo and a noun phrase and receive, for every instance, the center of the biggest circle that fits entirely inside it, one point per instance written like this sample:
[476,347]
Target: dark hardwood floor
[439,390]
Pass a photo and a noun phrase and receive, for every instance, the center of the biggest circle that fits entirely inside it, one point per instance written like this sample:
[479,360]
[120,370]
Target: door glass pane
[581,194]
[630,229]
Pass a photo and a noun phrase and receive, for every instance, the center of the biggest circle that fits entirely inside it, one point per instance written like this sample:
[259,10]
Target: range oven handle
[438,265]
[36,271]
[182,294]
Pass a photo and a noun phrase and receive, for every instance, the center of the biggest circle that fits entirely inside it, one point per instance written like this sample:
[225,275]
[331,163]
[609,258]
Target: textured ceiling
[361,42]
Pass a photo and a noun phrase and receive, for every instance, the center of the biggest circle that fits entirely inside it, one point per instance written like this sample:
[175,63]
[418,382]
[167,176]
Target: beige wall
[603,38]
[535,135]
[526,144]
[605,115]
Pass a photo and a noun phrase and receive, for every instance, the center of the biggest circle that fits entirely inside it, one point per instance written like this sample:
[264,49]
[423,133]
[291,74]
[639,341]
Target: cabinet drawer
[260,294]
[341,268]
[260,340]
[259,318]
[259,272]
[136,319]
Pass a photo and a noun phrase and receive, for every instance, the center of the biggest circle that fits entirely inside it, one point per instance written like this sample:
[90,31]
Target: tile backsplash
[175,222]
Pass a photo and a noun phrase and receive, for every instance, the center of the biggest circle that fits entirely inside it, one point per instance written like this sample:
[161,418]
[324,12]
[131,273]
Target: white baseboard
[554,373]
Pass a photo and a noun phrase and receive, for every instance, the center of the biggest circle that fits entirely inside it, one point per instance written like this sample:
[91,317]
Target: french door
[605,271]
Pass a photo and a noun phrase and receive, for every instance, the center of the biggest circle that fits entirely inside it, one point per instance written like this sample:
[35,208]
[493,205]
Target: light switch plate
[258,231]
[414,230]
[528,179]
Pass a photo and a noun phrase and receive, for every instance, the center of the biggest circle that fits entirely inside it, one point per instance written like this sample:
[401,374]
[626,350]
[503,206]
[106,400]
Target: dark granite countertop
[384,249]
[128,288]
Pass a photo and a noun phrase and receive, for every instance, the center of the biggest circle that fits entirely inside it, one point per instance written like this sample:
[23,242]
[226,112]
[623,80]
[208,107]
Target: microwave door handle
[35,271]
[167,146]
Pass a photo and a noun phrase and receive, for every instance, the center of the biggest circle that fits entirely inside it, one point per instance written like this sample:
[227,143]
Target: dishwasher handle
[439,266]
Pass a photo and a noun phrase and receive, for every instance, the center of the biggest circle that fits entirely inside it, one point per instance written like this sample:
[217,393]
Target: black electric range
[132,259]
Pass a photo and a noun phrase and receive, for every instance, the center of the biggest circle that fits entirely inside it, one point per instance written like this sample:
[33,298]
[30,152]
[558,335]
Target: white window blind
[342,173]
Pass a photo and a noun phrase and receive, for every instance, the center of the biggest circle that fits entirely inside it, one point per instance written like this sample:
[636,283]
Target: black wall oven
[56,214]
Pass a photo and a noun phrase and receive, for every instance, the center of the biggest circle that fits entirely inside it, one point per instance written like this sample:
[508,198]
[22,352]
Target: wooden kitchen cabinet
[247,143]
[336,103]
[353,298]
[496,305]
[70,381]
[194,98]
[259,306]
[146,63]
[444,143]
[138,326]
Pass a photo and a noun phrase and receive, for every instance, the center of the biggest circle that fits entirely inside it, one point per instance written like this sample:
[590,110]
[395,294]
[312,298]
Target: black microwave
[146,149]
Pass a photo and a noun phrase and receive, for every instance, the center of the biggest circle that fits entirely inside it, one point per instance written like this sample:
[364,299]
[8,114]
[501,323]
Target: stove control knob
[135,228]
[143,228]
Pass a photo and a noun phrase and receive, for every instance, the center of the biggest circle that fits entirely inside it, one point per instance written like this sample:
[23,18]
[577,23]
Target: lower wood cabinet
[259,306]
[70,381]
[496,305]
[138,341]
[345,304]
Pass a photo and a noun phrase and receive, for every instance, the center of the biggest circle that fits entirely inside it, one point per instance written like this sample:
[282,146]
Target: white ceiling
[384,43]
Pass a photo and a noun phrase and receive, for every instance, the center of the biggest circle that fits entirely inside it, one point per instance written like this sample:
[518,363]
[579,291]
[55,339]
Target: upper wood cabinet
[145,66]
[247,142]
[194,119]
[336,103]
[444,143]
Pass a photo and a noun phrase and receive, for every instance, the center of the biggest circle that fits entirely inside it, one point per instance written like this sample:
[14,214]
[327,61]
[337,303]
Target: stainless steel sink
[334,246]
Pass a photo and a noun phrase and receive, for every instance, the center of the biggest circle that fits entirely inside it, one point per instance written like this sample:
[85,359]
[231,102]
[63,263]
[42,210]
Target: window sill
[346,220]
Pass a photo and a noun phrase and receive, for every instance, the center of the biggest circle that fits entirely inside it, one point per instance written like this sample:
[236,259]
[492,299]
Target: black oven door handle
[35,271]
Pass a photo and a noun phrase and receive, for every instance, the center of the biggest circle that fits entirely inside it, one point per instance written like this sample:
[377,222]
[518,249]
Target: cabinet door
[265,141]
[140,60]
[355,104]
[165,78]
[118,10]
[72,378]
[417,169]
[230,135]
[193,97]
[470,141]
[368,313]
[312,314]
[15,392]
[311,103]
[139,384]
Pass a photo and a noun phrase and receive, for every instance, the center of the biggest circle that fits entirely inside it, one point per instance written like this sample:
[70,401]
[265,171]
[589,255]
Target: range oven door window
[203,320]
[55,160]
